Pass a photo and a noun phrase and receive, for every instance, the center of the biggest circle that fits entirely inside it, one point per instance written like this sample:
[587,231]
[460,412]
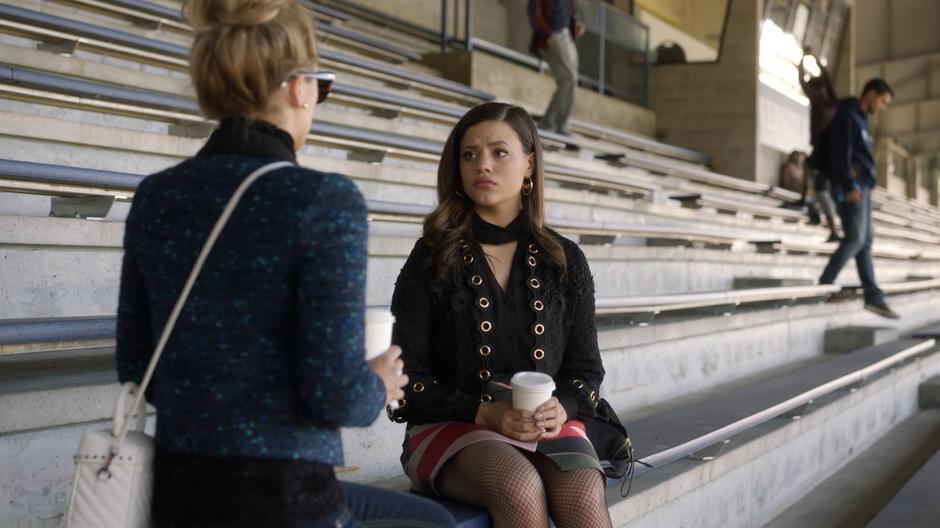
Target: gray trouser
[562,57]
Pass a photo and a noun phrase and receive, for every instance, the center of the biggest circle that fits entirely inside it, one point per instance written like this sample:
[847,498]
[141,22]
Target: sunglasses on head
[324,81]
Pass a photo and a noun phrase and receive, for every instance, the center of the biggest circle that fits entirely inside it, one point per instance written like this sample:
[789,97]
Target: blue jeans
[856,222]
[370,507]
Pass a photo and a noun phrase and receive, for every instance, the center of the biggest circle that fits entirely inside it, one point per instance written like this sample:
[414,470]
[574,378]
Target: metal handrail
[675,302]
[175,15]
[27,331]
[173,50]
[721,434]
[176,54]
[126,182]
[642,142]
[827,248]
[97,91]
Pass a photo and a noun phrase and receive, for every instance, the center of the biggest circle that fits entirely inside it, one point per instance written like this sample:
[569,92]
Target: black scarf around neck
[487,233]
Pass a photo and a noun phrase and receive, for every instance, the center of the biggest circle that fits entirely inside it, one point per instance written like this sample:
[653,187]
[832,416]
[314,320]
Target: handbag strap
[187,288]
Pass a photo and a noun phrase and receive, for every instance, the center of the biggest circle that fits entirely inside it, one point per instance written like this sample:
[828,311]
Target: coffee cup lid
[533,381]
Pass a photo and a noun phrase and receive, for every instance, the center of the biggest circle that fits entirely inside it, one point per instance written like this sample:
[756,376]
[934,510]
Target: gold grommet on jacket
[485,375]
[538,354]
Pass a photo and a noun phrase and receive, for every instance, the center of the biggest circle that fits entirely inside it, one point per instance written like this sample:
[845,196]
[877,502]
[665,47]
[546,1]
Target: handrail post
[444,26]
[648,69]
[601,48]
[468,22]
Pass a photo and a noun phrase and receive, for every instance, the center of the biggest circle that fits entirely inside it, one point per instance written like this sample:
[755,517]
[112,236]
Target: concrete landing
[916,504]
[856,493]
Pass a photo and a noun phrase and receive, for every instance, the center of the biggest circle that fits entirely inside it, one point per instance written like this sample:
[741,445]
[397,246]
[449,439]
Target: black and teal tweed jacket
[266,359]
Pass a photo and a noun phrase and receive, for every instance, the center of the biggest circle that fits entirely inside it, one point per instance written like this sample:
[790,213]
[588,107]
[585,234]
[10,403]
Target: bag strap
[187,288]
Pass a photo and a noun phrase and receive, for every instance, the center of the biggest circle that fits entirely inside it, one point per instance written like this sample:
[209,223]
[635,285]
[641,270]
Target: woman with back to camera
[266,360]
[487,292]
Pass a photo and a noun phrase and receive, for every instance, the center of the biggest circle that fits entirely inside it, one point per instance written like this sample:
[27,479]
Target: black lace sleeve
[581,373]
[413,306]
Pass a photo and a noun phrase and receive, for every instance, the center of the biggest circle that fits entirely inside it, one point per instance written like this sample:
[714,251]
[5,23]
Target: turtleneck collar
[251,137]
[487,233]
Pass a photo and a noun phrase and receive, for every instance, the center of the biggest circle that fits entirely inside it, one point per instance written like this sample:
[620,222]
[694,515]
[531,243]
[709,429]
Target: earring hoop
[527,186]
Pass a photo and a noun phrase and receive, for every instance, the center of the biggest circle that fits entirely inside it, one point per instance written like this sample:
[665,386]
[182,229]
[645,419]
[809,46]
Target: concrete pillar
[844,75]
[712,107]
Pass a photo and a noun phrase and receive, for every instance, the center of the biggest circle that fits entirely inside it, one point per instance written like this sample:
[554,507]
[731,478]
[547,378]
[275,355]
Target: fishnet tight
[522,489]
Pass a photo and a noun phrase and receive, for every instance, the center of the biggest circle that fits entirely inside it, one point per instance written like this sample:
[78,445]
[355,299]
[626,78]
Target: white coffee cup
[379,321]
[531,389]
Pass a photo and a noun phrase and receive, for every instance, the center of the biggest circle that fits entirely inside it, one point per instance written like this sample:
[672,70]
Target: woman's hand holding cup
[389,367]
[518,424]
[550,416]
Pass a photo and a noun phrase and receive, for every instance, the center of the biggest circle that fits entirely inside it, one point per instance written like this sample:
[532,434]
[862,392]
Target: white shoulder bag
[113,480]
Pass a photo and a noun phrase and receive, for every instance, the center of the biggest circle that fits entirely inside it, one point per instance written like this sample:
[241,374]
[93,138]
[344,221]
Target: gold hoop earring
[527,186]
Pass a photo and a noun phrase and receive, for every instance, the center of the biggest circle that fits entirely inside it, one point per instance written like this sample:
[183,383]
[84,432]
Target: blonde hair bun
[215,15]
[244,49]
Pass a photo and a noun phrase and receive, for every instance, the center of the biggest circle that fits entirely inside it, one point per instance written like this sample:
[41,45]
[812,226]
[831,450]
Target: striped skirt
[428,447]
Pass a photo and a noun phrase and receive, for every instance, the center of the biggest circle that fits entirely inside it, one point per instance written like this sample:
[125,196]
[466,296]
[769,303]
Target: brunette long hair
[450,220]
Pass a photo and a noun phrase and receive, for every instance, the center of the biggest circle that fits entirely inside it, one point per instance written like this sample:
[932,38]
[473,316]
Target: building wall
[714,107]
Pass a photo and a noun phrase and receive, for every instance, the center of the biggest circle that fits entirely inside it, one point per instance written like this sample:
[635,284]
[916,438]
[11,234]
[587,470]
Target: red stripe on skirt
[569,429]
[416,440]
[440,443]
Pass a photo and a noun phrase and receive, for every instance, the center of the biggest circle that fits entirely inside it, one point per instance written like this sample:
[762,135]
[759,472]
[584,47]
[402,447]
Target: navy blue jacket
[849,145]
[266,359]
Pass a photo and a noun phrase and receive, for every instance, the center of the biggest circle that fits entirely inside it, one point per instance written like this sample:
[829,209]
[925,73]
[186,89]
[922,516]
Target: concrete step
[48,399]
[855,494]
[916,504]
[765,469]
[71,267]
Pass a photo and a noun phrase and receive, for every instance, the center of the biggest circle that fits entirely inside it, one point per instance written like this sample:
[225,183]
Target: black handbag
[611,443]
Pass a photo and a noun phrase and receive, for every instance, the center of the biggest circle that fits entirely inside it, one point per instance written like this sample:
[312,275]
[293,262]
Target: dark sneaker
[882,309]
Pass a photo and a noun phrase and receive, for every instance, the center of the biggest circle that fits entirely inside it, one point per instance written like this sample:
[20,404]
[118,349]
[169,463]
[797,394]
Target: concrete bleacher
[666,238]
[916,504]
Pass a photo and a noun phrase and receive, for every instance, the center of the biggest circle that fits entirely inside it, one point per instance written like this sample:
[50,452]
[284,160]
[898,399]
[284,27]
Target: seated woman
[266,361]
[487,292]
